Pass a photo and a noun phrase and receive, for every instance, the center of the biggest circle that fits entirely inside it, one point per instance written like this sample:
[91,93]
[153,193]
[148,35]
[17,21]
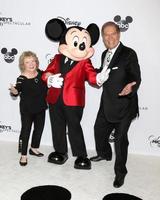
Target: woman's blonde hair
[24,55]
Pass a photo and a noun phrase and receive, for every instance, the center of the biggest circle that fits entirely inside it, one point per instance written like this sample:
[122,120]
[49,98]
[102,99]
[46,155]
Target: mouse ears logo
[9,56]
[154,141]
[123,24]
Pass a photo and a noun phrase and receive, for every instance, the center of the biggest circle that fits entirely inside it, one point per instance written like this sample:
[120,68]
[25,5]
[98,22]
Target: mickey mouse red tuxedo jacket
[73,90]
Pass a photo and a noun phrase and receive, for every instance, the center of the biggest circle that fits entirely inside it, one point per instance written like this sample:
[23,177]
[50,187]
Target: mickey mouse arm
[51,69]
[90,73]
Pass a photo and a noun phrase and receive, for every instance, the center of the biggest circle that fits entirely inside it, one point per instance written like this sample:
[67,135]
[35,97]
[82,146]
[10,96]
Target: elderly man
[119,101]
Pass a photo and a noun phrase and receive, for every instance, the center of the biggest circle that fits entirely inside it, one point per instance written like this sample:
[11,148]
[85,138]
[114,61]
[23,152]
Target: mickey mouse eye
[84,40]
[75,41]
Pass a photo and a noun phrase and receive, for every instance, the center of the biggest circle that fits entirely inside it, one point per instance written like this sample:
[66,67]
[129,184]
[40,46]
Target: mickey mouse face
[78,44]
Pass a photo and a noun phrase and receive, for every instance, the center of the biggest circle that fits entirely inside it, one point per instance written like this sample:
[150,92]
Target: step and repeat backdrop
[22,25]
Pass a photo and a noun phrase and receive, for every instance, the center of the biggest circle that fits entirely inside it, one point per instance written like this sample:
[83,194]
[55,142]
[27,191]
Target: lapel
[103,57]
[115,56]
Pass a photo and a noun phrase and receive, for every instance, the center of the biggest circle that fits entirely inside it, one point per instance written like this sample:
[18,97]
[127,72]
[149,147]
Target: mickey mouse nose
[82,46]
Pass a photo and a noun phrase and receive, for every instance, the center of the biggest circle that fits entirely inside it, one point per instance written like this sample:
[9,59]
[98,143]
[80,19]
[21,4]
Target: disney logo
[69,22]
[154,140]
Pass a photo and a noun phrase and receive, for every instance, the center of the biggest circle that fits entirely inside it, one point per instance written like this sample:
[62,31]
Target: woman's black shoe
[22,163]
[35,154]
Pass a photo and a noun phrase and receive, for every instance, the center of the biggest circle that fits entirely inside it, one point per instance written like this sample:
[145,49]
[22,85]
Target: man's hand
[55,81]
[102,76]
[127,89]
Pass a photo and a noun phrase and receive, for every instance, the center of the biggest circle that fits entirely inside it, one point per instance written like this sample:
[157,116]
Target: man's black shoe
[57,158]
[99,158]
[118,182]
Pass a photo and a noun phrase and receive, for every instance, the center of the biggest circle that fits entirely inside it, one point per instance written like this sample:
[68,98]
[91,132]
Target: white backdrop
[22,27]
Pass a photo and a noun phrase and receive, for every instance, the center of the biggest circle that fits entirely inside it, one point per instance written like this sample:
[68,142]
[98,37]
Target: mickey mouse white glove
[103,75]
[55,81]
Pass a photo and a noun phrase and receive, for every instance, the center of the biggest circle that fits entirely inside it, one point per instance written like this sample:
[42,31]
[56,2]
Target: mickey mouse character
[65,77]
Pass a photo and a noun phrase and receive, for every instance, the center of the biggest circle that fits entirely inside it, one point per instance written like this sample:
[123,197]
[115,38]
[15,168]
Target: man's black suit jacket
[124,69]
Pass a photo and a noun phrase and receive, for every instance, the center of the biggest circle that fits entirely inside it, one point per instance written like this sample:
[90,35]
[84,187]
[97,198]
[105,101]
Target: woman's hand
[13,90]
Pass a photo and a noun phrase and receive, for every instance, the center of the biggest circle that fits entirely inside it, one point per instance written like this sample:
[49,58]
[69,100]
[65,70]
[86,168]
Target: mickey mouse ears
[54,29]
[94,33]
